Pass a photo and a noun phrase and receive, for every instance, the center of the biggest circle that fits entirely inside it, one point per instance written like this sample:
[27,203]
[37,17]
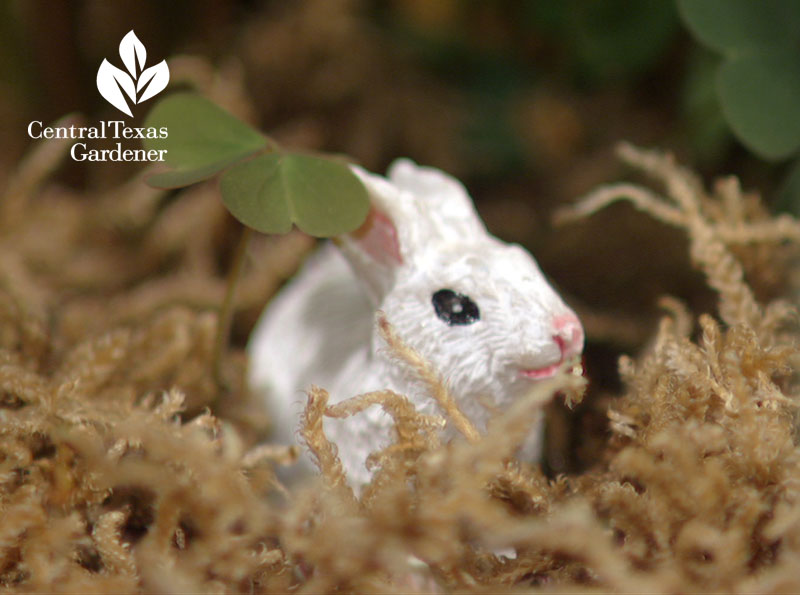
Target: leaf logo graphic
[139,83]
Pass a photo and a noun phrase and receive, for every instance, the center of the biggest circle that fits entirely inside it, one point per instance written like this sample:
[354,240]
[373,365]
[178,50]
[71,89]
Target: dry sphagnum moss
[112,479]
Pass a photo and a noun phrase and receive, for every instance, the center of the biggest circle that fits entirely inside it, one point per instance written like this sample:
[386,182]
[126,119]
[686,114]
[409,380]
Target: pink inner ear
[378,238]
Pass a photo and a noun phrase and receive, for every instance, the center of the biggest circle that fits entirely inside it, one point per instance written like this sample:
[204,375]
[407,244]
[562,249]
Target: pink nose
[568,334]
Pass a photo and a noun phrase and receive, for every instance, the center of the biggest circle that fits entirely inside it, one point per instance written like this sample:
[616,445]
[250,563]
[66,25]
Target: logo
[139,84]
[118,88]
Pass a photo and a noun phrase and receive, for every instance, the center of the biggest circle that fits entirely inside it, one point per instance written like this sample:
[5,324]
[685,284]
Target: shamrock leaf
[271,192]
[203,139]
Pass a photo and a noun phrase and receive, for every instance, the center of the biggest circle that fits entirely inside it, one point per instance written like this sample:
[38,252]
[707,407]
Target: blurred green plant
[608,39]
[496,52]
[702,121]
[264,186]
[758,76]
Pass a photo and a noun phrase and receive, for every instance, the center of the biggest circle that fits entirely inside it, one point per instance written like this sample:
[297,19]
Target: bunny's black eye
[455,308]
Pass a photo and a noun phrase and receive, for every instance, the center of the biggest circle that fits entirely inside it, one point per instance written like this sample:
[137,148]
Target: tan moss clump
[113,478]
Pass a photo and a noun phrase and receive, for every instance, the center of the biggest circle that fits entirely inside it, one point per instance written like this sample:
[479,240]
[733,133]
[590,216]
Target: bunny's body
[478,309]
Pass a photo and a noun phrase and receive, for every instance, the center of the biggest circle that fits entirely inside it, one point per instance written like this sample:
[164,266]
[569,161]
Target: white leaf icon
[110,80]
[157,76]
[131,50]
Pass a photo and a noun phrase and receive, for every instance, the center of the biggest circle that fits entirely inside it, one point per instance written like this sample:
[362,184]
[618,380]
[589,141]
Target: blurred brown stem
[226,311]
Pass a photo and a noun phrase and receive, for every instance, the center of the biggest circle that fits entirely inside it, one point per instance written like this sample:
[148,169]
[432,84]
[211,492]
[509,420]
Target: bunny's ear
[377,237]
[447,207]
[416,211]
[374,249]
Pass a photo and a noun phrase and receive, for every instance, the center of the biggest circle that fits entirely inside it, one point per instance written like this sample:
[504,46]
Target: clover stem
[226,311]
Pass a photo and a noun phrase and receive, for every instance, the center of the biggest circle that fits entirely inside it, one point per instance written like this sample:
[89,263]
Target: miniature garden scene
[414,296]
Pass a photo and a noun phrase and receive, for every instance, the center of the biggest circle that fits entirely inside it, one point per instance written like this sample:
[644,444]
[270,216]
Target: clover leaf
[264,187]
[734,26]
[274,190]
[202,139]
[758,83]
[760,97]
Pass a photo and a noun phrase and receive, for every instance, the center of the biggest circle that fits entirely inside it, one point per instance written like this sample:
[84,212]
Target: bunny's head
[478,309]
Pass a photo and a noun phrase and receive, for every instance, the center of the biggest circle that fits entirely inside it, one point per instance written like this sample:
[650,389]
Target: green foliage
[788,195]
[760,97]
[202,139]
[621,38]
[495,53]
[702,118]
[758,83]
[735,26]
[268,191]
[607,39]
[274,190]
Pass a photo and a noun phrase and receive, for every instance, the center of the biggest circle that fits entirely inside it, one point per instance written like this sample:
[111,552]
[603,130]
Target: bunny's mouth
[547,371]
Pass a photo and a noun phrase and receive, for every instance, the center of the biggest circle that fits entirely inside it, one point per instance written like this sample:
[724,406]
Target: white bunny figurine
[478,309]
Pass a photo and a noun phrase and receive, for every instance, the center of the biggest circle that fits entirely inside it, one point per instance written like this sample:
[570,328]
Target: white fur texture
[320,330]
